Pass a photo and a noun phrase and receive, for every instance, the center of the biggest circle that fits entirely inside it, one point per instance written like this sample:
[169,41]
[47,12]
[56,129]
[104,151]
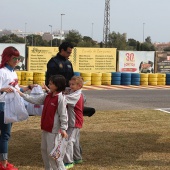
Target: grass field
[112,140]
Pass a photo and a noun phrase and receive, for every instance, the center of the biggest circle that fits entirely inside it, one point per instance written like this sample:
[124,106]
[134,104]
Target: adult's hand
[7,90]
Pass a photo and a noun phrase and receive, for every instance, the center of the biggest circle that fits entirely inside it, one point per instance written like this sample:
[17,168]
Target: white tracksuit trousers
[47,145]
[73,148]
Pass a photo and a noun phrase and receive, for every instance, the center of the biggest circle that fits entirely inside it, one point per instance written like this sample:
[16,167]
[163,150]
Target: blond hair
[78,79]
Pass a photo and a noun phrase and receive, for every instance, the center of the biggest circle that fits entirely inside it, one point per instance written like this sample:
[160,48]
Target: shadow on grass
[99,148]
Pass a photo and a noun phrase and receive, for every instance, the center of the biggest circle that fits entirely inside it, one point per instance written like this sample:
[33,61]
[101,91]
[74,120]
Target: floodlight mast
[106,28]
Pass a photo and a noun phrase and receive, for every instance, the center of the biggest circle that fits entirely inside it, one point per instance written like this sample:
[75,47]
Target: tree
[147,47]
[87,42]
[73,37]
[148,40]
[132,43]
[12,38]
[138,46]
[36,40]
[117,40]
[167,48]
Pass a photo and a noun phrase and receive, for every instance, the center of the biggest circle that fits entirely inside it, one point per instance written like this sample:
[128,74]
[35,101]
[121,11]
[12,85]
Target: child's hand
[45,87]
[64,134]
[20,93]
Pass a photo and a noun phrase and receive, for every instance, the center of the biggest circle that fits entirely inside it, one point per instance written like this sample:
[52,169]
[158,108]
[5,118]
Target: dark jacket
[59,65]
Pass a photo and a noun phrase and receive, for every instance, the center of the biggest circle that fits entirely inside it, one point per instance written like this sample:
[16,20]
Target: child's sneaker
[68,165]
[78,161]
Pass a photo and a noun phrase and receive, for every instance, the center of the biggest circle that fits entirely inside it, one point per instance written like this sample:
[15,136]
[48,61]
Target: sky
[138,18]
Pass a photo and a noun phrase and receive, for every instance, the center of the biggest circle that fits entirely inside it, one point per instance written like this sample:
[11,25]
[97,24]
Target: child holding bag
[54,119]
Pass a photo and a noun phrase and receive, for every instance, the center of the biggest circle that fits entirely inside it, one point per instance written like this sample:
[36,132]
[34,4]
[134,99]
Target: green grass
[111,140]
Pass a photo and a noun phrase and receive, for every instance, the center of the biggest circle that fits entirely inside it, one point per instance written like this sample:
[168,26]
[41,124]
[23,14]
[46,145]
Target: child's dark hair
[59,81]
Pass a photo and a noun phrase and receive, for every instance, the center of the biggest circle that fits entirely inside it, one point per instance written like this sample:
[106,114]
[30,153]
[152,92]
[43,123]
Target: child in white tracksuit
[54,120]
[75,105]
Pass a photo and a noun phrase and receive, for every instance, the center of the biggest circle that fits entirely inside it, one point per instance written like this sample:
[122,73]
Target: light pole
[25,32]
[143,31]
[51,35]
[92,31]
[32,40]
[61,29]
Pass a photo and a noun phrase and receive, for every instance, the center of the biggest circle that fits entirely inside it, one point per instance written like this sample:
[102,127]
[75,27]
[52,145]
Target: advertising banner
[21,49]
[94,59]
[136,61]
[162,64]
[39,56]
[83,59]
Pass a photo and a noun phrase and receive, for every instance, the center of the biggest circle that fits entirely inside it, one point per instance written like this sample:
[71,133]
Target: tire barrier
[167,78]
[19,76]
[26,78]
[39,78]
[26,74]
[26,83]
[106,78]
[87,78]
[143,79]
[18,73]
[77,73]
[115,78]
[135,79]
[152,79]
[126,79]
[96,78]
[161,79]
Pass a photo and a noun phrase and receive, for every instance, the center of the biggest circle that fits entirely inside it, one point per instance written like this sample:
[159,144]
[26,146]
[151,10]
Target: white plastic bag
[14,109]
[59,149]
[35,109]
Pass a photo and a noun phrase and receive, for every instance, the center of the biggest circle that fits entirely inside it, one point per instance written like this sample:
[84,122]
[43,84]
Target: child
[54,119]
[75,105]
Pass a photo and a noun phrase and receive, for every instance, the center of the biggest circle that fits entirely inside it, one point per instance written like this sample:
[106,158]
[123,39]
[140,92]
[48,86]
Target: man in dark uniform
[60,63]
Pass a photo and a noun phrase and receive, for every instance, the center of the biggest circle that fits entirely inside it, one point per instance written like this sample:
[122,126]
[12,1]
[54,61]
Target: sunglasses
[16,58]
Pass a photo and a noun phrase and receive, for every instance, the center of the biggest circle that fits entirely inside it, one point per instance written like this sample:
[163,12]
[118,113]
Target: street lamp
[92,31]
[143,31]
[25,33]
[51,35]
[61,29]
[32,40]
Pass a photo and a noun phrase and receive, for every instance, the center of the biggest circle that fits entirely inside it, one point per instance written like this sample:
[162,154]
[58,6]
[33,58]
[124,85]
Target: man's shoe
[68,165]
[78,161]
[8,167]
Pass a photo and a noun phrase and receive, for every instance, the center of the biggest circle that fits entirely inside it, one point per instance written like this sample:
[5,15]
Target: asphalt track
[128,98]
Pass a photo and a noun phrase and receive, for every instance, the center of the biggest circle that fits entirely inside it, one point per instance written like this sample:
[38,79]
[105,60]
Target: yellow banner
[83,59]
[94,59]
[39,56]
